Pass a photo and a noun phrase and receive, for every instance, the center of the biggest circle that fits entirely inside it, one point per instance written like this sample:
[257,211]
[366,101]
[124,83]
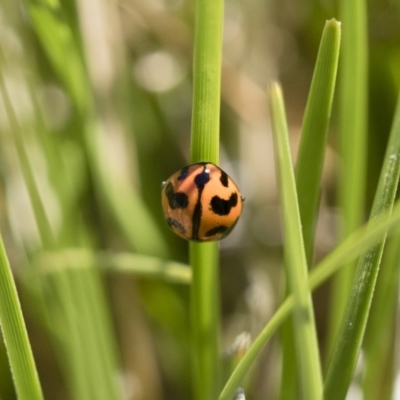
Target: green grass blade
[138,265]
[295,259]
[380,336]
[70,340]
[354,245]
[315,130]
[23,368]
[205,319]
[353,98]
[353,112]
[81,321]
[337,259]
[309,171]
[96,332]
[348,343]
[289,385]
[205,147]
[42,220]
[207,81]
[122,198]
[237,377]
[60,45]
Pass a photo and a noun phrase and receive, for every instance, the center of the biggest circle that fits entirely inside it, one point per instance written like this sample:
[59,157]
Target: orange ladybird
[201,202]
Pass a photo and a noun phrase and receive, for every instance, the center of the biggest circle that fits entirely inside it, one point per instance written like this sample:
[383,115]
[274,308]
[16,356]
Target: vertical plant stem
[353,113]
[205,319]
[295,257]
[207,81]
[205,147]
[352,139]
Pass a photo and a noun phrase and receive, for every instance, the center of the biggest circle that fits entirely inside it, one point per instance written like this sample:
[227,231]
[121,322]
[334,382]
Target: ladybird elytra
[201,202]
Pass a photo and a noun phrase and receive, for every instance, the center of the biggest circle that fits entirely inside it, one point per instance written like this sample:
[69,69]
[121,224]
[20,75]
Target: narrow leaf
[128,263]
[308,174]
[315,131]
[12,323]
[348,343]
[295,258]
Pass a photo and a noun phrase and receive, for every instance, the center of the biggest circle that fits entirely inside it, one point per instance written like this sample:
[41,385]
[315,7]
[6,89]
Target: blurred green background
[95,113]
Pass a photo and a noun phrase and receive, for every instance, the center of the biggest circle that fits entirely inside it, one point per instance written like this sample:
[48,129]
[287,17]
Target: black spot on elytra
[220,229]
[201,179]
[176,199]
[223,207]
[224,179]
[173,223]
[183,174]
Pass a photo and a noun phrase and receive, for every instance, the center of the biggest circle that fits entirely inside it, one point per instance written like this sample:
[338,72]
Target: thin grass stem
[205,147]
[353,98]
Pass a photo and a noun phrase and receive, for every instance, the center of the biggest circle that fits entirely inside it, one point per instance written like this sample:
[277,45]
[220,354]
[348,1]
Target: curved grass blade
[380,336]
[308,174]
[127,263]
[295,258]
[348,343]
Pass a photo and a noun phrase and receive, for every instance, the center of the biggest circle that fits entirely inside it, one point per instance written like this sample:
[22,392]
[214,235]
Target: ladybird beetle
[201,202]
